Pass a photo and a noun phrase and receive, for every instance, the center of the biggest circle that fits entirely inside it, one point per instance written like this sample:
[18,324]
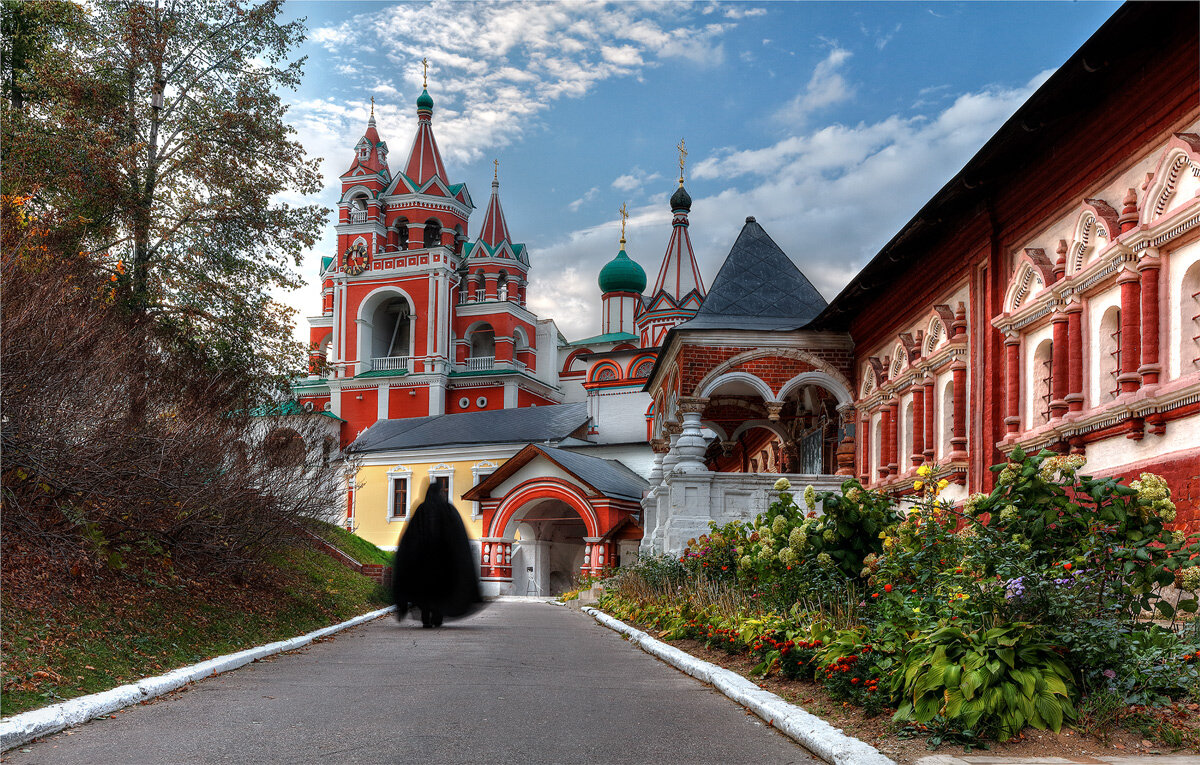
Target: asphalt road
[520,682]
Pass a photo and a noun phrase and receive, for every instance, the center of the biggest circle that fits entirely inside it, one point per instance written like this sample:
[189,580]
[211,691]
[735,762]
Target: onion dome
[681,200]
[425,101]
[622,274]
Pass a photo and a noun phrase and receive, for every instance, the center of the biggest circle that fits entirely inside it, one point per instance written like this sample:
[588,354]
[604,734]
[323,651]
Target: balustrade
[390,363]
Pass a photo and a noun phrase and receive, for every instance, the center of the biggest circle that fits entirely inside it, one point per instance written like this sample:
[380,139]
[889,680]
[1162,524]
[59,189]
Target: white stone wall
[681,507]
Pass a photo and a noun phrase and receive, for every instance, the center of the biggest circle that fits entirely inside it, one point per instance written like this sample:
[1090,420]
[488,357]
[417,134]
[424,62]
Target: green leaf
[1165,608]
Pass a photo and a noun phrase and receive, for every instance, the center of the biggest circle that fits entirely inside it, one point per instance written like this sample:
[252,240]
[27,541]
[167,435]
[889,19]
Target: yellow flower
[924,471]
[918,485]
[943,484]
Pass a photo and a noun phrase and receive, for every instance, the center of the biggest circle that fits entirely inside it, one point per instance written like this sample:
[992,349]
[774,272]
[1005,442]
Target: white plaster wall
[538,468]
[1097,304]
[942,415]
[637,457]
[1031,376]
[1178,261]
[545,345]
[876,444]
[1113,452]
[619,417]
[904,434]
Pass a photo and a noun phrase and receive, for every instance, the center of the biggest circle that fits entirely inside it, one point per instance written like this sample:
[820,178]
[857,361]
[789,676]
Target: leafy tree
[156,128]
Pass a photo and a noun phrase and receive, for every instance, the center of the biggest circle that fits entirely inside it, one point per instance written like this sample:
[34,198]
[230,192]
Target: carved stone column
[774,408]
[929,430]
[918,425]
[958,438]
[660,447]
[691,445]
[1074,397]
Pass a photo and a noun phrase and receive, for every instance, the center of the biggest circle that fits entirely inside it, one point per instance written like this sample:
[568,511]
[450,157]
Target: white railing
[519,365]
[480,363]
[390,363]
[480,295]
[358,216]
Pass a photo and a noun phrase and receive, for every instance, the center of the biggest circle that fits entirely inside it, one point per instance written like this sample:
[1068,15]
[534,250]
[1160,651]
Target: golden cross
[624,215]
[682,159]
[425,74]
[372,106]
[496,170]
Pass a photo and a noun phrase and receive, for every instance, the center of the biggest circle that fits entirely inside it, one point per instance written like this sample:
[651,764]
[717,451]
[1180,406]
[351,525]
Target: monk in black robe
[434,570]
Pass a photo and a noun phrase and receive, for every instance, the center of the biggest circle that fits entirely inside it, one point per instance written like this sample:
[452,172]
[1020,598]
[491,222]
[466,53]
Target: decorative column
[844,457]
[889,434]
[958,437]
[590,554]
[918,426]
[1148,269]
[487,570]
[864,428]
[660,447]
[671,458]
[1074,395]
[929,430]
[1058,373]
[691,445]
[1012,379]
[1131,319]
[774,409]
[416,236]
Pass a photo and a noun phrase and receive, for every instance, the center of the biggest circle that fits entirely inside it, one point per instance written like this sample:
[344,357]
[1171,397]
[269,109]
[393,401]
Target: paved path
[518,683]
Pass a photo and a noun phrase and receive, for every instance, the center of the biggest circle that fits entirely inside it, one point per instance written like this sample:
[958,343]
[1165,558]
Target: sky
[831,123]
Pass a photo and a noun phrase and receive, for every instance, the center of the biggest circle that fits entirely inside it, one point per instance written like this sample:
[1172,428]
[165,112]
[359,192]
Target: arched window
[480,286]
[1109,355]
[907,451]
[483,347]
[358,209]
[947,416]
[433,232]
[459,238]
[643,368]
[502,285]
[607,373]
[391,335]
[876,449]
[935,336]
[401,234]
[1189,316]
[1042,375]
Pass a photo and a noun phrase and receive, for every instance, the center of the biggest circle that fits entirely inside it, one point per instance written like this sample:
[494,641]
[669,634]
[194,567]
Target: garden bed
[1019,621]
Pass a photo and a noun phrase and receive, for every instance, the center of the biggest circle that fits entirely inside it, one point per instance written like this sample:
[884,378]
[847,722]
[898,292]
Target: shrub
[997,680]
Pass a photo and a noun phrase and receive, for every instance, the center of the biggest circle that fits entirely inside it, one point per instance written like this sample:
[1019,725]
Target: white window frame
[398,473]
[442,469]
[480,471]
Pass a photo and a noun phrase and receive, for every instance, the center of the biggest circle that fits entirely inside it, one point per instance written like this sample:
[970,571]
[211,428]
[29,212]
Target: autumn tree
[158,127]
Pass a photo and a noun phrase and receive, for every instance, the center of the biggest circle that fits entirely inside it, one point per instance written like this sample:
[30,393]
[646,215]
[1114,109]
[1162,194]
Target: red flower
[874,594]
[854,681]
[1067,566]
[887,588]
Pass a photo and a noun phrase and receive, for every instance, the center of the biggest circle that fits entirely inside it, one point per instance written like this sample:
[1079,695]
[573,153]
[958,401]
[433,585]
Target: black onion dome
[681,200]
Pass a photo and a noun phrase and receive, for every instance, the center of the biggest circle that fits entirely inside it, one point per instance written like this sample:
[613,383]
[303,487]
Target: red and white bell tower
[416,320]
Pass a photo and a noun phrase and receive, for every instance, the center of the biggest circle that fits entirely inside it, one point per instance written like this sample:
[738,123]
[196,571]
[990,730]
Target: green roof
[383,373]
[425,101]
[611,337]
[288,408]
[325,264]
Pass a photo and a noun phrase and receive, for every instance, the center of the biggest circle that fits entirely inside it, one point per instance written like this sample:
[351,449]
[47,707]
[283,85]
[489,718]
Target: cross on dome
[682,158]
[624,216]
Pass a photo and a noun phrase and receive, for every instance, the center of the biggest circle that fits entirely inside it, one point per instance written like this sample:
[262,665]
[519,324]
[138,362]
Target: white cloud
[634,180]
[588,196]
[826,87]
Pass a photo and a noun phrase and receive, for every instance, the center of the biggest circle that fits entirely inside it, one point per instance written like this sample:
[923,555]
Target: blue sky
[831,123]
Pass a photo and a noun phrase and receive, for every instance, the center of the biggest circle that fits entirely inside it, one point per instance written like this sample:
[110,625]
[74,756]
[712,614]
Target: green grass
[351,544]
[73,638]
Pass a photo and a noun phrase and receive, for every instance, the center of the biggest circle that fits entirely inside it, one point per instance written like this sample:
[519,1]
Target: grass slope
[351,544]
[78,630]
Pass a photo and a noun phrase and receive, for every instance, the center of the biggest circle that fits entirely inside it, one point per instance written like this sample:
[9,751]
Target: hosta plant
[997,680]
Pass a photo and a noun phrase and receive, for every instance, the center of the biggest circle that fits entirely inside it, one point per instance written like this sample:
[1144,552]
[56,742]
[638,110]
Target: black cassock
[434,570]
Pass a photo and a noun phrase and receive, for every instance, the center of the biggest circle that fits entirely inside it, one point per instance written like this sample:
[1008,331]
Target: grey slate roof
[758,287]
[609,477]
[500,426]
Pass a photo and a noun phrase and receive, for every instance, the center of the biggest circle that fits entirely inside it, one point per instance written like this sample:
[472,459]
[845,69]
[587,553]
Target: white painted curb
[27,726]
[808,730]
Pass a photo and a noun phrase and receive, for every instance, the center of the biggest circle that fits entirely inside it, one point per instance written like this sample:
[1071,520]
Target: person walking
[434,570]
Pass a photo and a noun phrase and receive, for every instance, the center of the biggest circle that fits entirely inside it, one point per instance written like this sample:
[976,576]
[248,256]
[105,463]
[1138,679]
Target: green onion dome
[425,101]
[622,274]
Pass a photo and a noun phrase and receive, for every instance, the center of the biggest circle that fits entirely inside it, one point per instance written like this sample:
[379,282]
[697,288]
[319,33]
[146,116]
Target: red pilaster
[1012,378]
[958,437]
[1148,269]
[1074,357]
[918,426]
[885,428]
[865,440]
[1131,319]
[1058,376]
[929,433]
[893,448]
